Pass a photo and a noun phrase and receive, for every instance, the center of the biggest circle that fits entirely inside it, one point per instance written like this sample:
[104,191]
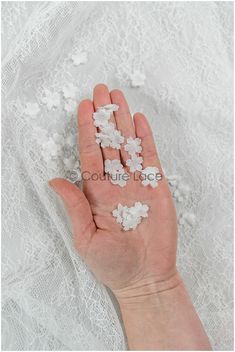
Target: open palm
[120,259]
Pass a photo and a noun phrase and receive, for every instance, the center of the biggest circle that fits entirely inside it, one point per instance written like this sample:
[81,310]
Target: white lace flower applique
[79,58]
[31,109]
[131,217]
[51,99]
[187,219]
[135,163]
[137,79]
[69,92]
[109,108]
[51,149]
[151,176]
[101,118]
[133,145]
[108,136]
[115,169]
[180,190]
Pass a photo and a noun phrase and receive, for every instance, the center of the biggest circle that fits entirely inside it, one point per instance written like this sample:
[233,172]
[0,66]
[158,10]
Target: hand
[140,258]
[139,266]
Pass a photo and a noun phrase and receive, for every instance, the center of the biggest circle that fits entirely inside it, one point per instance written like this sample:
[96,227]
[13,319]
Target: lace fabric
[174,62]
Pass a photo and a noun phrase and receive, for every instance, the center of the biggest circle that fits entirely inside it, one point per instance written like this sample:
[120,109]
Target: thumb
[79,212]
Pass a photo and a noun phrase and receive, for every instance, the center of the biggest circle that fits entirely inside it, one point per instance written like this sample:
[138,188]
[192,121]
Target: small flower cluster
[108,136]
[129,218]
[115,169]
[133,147]
[180,189]
[187,219]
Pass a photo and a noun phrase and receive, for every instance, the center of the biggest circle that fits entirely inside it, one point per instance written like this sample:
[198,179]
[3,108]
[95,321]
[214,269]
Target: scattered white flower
[70,91]
[115,169]
[131,217]
[51,99]
[116,140]
[109,108]
[173,179]
[120,178]
[32,109]
[137,79]
[119,212]
[70,106]
[133,145]
[187,219]
[181,191]
[109,137]
[140,210]
[112,166]
[151,176]
[135,163]
[101,118]
[79,58]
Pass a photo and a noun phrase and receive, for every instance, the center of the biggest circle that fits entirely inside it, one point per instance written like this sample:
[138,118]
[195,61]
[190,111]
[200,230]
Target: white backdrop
[180,55]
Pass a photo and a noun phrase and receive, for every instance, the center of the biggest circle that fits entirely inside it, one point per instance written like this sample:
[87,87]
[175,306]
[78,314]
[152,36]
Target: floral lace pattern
[174,62]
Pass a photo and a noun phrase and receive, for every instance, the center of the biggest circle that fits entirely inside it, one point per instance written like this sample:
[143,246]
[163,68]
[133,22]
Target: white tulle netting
[174,62]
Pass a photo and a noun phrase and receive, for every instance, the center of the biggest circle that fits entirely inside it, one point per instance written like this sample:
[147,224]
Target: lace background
[180,55]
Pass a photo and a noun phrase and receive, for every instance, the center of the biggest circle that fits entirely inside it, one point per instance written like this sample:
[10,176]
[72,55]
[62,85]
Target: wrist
[149,292]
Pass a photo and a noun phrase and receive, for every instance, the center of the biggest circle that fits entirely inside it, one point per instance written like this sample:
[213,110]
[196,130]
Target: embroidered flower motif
[69,162]
[50,150]
[70,91]
[70,106]
[70,140]
[51,99]
[137,79]
[101,118]
[187,219]
[135,163]
[32,109]
[79,58]
[131,217]
[133,145]
[151,176]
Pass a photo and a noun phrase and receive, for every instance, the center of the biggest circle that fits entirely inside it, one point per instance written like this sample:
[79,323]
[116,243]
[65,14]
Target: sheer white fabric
[174,62]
